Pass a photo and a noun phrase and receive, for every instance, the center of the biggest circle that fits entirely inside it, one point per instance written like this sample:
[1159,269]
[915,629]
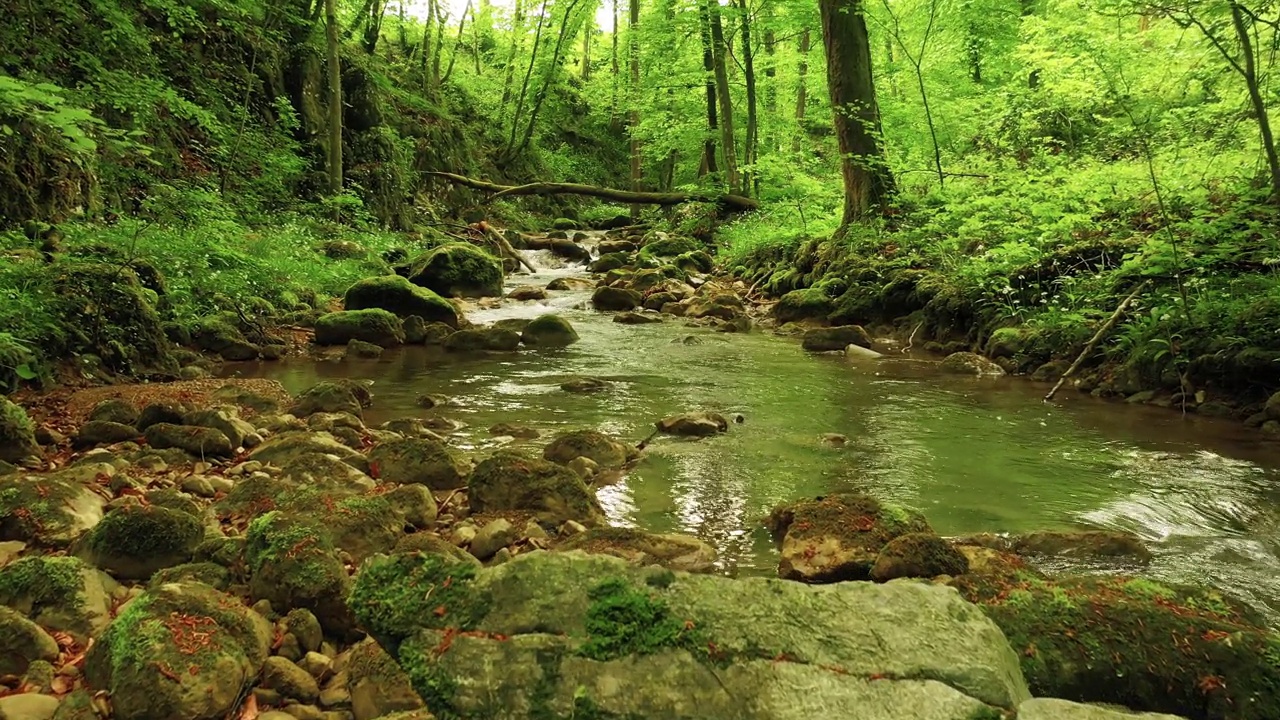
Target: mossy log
[735,203]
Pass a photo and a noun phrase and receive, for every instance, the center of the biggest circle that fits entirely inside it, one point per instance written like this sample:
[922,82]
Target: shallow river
[973,455]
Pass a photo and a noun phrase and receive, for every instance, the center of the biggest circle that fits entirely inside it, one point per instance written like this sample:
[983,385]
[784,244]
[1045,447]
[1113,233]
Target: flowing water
[975,455]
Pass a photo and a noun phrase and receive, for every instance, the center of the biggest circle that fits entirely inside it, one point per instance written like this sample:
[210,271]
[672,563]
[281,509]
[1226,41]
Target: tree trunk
[517,32]
[633,41]
[867,181]
[613,105]
[426,42]
[708,69]
[401,35]
[749,177]
[442,19]
[586,49]
[770,73]
[1250,72]
[335,97]
[457,42]
[546,83]
[373,26]
[524,86]
[735,203]
[719,52]
[802,99]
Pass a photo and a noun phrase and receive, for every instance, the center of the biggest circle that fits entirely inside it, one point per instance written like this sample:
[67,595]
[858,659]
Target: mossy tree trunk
[709,69]
[335,97]
[633,41]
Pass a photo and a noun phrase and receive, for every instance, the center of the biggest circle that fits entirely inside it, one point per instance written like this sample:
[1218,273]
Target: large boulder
[372,326]
[641,548]
[723,305]
[379,688]
[60,592]
[195,440]
[103,432]
[967,363]
[52,509]
[422,461]
[605,451]
[289,448]
[1135,642]
[611,298]
[22,642]
[1055,709]
[226,420]
[837,537]
[132,543]
[293,563]
[511,481]
[397,295]
[835,338]
[570,250]
[600,638]
[332,397]
[17,433]
[458,270]
[549,331]
[180,650]
[492,339]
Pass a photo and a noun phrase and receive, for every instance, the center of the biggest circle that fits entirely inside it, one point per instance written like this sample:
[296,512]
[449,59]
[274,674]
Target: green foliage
[626,620]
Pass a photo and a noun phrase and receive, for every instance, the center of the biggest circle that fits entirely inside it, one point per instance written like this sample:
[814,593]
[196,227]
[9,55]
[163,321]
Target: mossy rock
[115,410]
[436,333]
[225,420]
[372,326]
[641,548]
[331,397]
[401,297]
[216,334]
[17,433]
[611,298]
[363,350]
[562,223]
[838,537]
[132,543]
[605,451]
[212,574]
[422,461]
[396,594]
[511,481]
[105,312]
[379,687]
[835,338]
[431,544]
[359,524]
[482,340]
[160,412]
[458,270]
[290,448]
[1007,343]
[180,650]
[918,555]
[549,331]
[1136,643]
[695,261]
[60,592]
[611,261]
[51,510]
[806,304]
[197,441]
[23,642]
[647,280]
[724,305]
[292,563]
[669,246]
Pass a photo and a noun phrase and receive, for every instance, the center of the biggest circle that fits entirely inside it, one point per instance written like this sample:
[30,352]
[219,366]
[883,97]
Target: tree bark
[1250,72]
[335,96]
[457,42]
[802,99]
[633,43]
[867,181]
[719,52]
[749,177]
[586,49]
[709,70]
[517,32]
[442,19]
[731,203]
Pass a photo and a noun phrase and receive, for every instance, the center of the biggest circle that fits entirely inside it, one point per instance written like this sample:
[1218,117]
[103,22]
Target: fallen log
[736,203]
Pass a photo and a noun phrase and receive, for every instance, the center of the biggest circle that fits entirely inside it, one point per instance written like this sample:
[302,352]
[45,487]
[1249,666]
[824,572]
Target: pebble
[501,556]
[289,680]
[319,666]
[335,696]
[302,623]
[290,648]
[572,527]
[154,463]
[534,531]
[463,535]
[198,485]
[491,538]
[28,706]
[263,608]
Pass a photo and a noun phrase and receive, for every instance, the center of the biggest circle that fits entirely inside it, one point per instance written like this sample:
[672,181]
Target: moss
[41,580]
[625,620]
[17,432]
[669,246]
[458,270]
[401,297]
[549,331]
[433,683]
[105,313]
[918,555]
[134,542]
[598,447]
[32,508]
[1135,643]
[373,326]
[291,558]
[695,261]
[810,303]
[511,481]
[211,574]
[396,595]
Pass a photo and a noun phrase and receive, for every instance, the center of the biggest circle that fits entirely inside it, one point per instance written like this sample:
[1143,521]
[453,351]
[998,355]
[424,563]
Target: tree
[802,90]
[709,84]
[719,50]
[867,180]
[335,96]
[748,76]
[633,42]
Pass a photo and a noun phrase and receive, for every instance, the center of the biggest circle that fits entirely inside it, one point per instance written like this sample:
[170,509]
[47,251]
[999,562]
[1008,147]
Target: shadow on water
[973,455]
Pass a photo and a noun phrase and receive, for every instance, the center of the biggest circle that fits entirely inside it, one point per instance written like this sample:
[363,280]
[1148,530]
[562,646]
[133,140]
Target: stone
[482,340]
[292,562]
[436,545]
[378,686]
[593,632]
[28,706]
[202,681]
[605,451]
[511,481]
[918,555]
[635,318]
[693,424]
[160,412]
[1054,709]
[22,642]
[363,350]
[317,665]
[225,420]
[132,543]
[585,467]
[457,270]
[611,298]
[104,432]
[967,363]
[570,283]
[198,441]
[415,504]
[60,593]
[17,433]
[725,306]
[302,624]
[372,326]
[1083,543]
[641,548]
[402,298]
[585,385]
[526,293]
[857,352]
[523,432]
[835,338]
[115,410]
[550,331]
[288,448]
[52,509]
[421,461]
[837,537]
[569,250]
[289,680]
[491,538]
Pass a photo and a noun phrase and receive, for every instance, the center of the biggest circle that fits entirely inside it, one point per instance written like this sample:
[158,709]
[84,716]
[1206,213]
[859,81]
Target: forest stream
[974,455]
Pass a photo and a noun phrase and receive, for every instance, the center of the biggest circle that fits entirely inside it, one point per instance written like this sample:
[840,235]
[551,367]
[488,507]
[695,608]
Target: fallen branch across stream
[1093,342]
[735,203]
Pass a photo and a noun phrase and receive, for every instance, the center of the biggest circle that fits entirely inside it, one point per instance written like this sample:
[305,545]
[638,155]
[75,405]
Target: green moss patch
[395,596]
[623,619]
[458,270]
[401,297]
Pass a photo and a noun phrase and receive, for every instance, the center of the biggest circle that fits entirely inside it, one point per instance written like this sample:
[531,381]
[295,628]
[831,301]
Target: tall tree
[709,83]
[633,41]
[749,76]
[719,50]
[335,96]
[517,33]
[867,180]
[802,92]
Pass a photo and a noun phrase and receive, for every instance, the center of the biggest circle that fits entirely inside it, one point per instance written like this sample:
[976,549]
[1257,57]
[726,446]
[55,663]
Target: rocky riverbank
[205,549]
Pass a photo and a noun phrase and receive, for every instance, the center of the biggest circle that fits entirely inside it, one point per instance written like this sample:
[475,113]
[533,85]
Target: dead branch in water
[1093,342]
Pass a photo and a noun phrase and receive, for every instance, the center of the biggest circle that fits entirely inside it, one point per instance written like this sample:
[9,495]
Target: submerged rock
[1092,544]
[372,326]
[549,331]
[397,295]
[511,481]
[597,635]
[458,270]
[180,650]
[635,318]
[967,363]
[483,339]
[837,537]
[835,338]
[602,449]
[637,547]
[584,385]
[694,424]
